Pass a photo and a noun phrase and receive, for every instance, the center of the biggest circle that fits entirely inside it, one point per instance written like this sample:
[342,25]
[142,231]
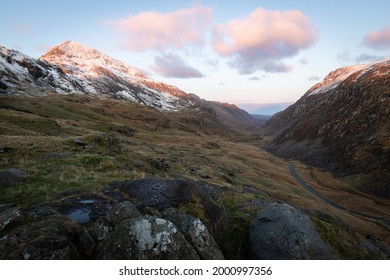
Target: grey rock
[9,216]
[5,149]
[161,194]
[160,164]
[55,237]
[78,142]
[122,211]
[89,147]
[100,230]
[18,173]
[280,231]
[196,234]
[138,163]
[147,238]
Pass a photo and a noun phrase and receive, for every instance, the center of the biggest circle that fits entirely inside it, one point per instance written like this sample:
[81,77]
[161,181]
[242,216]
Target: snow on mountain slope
[102,75]
[21,74]
[334,78]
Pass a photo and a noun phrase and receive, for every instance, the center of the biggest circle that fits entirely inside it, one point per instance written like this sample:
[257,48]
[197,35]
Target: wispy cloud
[159,31]
[254,78]
[303,61]
[378,39]
[173,66]
[364,57]
[344,56]
[24,29]
[261,40]
[361,58]
[313,78]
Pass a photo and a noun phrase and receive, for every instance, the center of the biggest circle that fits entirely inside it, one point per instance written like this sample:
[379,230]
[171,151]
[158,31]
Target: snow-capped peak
[82,61]
[100,74]
[334,78]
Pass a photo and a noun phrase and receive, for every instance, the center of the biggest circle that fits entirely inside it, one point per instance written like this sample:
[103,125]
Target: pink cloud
[24,29]
[173,66]
[261,40]
[378,39]
[151,30]
[304,61]
[313,78]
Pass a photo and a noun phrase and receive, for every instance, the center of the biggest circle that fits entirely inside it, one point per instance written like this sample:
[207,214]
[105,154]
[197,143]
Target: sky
[250,53]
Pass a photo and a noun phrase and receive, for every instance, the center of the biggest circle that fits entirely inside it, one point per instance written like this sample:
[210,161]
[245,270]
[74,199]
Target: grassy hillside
[70,144]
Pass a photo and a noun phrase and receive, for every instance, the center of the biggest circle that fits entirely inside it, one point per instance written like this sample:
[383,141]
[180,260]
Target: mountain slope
[102,75]
[21,74]
[70,68]
[341,124]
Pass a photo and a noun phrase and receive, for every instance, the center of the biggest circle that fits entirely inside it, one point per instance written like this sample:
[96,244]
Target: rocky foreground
[140,220]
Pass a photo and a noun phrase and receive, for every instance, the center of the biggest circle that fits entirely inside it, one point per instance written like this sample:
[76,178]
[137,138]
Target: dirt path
[334,204]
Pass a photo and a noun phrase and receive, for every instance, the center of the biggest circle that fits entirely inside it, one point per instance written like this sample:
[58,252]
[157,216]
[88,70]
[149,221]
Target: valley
[96,156]
[73,146]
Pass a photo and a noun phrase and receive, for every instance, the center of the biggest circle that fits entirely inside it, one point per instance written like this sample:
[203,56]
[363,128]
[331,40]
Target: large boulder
[54,238]
[196,234]
[147,238]
[122,211]
[280,231]
[104,227]
[9,215]
[198,198]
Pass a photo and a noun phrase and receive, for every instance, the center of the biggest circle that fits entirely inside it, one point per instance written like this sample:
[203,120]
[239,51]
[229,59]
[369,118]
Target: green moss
[194,208]
[237,246]
[339,238]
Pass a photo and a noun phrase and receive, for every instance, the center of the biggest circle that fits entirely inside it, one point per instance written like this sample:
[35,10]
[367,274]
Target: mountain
[341,124]
[101,74]
[70,68]
[21,75]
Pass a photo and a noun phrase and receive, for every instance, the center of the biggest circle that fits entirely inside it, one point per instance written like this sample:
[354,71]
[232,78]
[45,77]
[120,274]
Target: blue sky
[233,51]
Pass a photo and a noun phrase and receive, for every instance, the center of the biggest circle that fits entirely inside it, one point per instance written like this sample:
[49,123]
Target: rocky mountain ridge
[341,124]
[70,68]
[101,74]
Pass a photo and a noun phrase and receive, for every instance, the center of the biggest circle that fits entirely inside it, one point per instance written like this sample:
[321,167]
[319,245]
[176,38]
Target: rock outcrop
[92,226]
[196,234]
[153,193]
[147,238]
[280,231]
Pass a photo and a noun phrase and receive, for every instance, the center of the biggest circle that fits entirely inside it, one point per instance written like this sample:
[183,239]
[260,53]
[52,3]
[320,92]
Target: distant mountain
[262,119]
[266,109]
[341,124]
[70,68]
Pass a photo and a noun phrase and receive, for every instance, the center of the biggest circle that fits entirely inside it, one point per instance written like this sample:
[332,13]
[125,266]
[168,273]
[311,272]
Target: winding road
[334,204]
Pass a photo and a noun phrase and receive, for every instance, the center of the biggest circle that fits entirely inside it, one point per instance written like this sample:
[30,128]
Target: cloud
[173,66]
[261,40]
[378,39]
[158,31]
[313,78]
[364,57]
[361,58]
[24,29]
[254,78]
[303,61]
[345,56]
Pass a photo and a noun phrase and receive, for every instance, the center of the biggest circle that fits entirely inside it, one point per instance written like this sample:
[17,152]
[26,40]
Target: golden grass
[178,139]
